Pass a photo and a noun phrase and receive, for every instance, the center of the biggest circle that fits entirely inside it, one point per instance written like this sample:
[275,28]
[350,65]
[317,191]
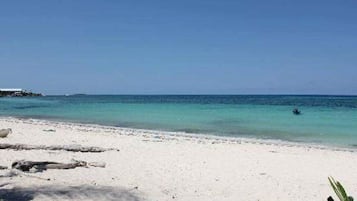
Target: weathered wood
[3,167]
[73,148]
[97,164]
[38,166]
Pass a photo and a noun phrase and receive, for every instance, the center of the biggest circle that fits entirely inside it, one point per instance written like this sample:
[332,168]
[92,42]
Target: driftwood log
[38,166]
[35,166]
[3,167]
[73,148]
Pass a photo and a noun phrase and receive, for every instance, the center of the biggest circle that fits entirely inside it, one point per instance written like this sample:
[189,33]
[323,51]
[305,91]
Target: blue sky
[179,47]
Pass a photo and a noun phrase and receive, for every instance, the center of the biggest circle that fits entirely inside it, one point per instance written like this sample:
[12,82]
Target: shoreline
[197,136]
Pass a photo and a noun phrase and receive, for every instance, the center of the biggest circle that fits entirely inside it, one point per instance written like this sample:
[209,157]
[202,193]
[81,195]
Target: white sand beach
[154,165]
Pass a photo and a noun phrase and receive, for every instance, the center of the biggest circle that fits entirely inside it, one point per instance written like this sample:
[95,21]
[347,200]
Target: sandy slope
[152,165]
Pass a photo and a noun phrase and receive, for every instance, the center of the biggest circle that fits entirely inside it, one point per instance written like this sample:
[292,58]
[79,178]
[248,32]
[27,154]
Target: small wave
[27,107]
[190,130]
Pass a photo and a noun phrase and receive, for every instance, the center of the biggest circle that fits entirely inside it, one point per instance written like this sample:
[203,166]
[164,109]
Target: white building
[11,90]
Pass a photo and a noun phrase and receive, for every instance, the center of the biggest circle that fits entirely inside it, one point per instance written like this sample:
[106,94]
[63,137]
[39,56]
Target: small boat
[296,111]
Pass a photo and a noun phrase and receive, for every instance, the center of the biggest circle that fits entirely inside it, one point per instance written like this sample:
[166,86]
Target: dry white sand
[153,165]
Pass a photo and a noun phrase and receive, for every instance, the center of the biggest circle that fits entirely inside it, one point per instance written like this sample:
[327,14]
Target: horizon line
[199,94]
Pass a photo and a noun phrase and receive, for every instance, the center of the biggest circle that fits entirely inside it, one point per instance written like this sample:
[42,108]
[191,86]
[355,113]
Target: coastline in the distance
[13,92]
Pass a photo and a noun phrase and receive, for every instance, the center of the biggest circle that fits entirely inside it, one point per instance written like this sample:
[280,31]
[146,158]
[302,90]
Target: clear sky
[179,47]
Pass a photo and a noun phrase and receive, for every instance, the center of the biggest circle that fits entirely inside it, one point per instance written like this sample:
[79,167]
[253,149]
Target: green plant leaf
[342,191]
[339,190]
[334,187]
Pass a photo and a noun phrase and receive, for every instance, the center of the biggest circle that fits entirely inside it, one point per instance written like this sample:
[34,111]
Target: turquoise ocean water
[324,120]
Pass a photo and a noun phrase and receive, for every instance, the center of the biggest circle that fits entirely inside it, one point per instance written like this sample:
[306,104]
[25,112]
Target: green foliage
[339,190]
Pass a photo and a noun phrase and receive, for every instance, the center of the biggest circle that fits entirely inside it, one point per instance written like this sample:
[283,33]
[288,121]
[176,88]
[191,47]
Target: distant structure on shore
[16,93]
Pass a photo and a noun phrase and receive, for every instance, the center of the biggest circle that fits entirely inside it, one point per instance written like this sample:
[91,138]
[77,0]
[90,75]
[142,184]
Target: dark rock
[330,199]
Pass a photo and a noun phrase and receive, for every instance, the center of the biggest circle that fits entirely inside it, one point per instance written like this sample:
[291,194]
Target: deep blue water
[324,119]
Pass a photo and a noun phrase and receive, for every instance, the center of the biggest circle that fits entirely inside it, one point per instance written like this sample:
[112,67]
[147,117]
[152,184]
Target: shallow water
[324,119]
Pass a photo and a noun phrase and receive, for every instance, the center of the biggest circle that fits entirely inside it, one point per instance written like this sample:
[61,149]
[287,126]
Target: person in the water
[296,111]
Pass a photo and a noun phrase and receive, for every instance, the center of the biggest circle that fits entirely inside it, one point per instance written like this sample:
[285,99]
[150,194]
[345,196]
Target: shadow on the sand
[68,193]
